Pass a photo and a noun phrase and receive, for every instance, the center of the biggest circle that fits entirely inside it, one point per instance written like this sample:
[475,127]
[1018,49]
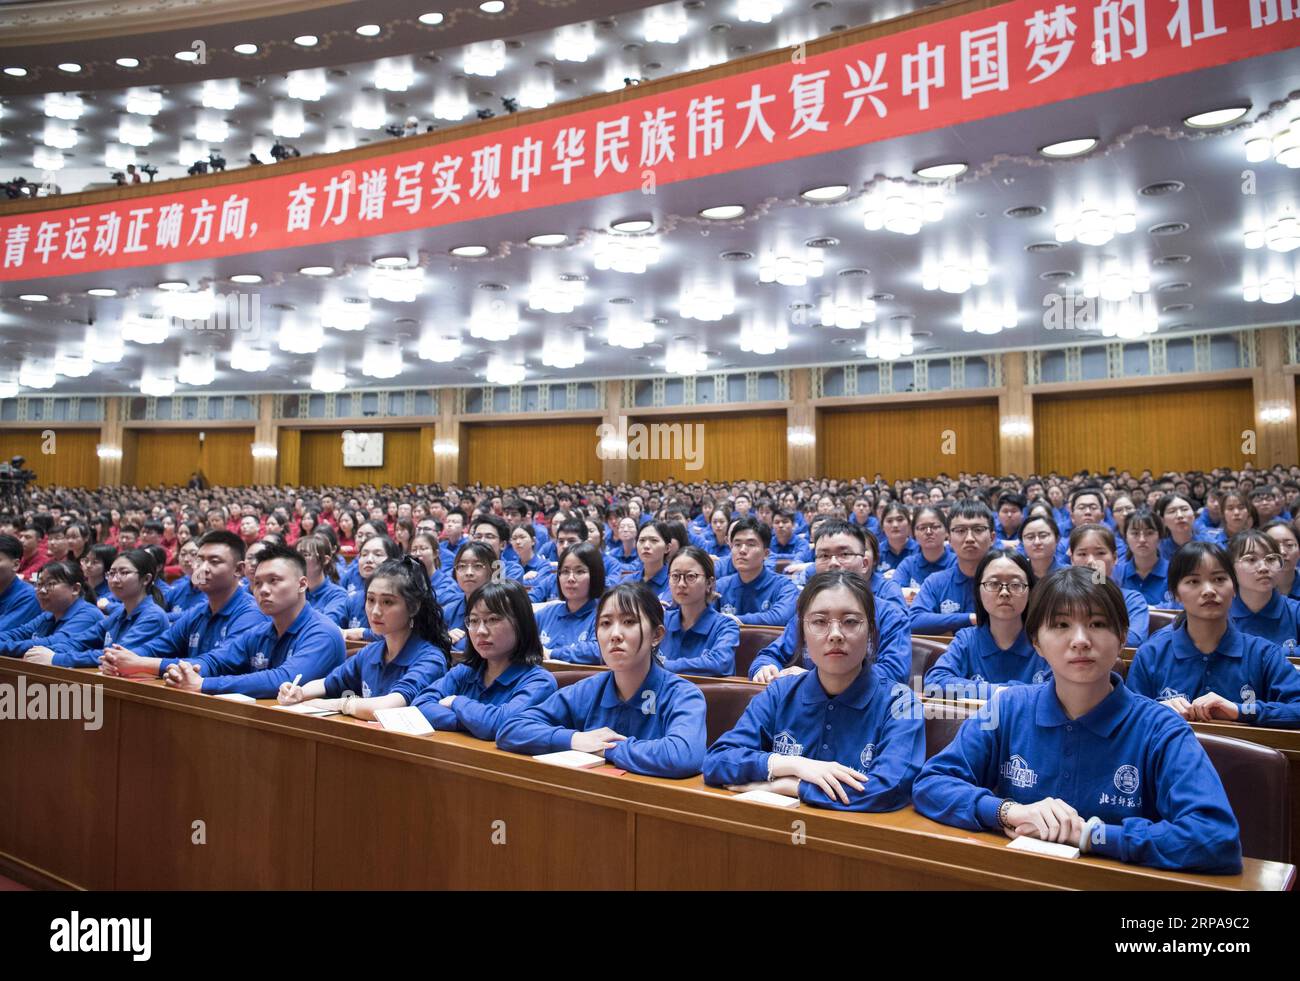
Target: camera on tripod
[14,479]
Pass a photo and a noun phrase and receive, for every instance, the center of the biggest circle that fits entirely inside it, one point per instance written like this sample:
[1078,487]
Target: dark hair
[525,527]
[697,555]
[1144,517]
[933,509]
[509,599]
[1251,511]
[1162,505]
[1280,523]
[104,553]
[67,571]
[1185,562]
[636,597]
[319,548]
[412,582]
[1092,489]
[147,568]
[154,526]
[12,547]
[432,539]
[226,538]
[33,525]
[488,518]
[391,549]
[1069,592]
[992,555]
[590,556]
[574,526]
[1242,541]
[477,550]
[838,526]
[1047,519]
[87,535]
[972,511]
[753,524]
[1012,497]
[274,550]
[854,583]
[671,531]
[897,507]
[1105,534]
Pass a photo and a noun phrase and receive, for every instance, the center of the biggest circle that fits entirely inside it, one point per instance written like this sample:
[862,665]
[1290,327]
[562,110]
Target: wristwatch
[1003,809]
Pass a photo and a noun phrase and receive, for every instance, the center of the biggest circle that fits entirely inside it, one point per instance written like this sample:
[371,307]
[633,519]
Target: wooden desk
[289,801]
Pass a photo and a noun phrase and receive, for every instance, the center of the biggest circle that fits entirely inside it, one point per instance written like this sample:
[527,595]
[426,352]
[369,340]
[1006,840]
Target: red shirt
[27,567]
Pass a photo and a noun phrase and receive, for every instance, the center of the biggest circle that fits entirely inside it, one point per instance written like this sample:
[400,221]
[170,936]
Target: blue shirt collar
[1102,720]
[585,610]
[988,646]
[610,697]
[513,672]
[1272,610]
[856,695]
[1230,645]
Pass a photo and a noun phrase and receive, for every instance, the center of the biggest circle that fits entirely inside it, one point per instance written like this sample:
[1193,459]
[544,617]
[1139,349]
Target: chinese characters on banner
[1008,57]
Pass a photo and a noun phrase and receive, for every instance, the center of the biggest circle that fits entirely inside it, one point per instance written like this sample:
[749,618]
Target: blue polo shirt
[769,599]
[663,722]
[796,549]
[482,710]
[973,663]
[444,587]
[1277,621]
[893,652]
[658,583]
[331,601]
[873,726]
[914,570]
[1139,618]
[147,621]
[18,605]
[714,547]
[258,662]
[1248,671]
[707,647]
[891,560]
[1131,762]
[1154,586]
[201,630]
[181,595]
[1168,549]
[81,628]
[417,665]
[570,635]
[945,602]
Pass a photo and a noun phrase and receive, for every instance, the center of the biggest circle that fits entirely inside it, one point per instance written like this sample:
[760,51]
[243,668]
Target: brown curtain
[1198,427]
[507,454]
[321,458]
[169,456]
[73,461]
[907,442]
[726,447]
[288,461]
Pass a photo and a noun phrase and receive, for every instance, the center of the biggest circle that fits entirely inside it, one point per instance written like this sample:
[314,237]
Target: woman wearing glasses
[1258,608]
[1093,546]
[69,624]
[1288,543]
[997,652]
[471,568]
[930,528]
[1204,667]
[568,627]
[1040,535]
[1080,760]
[697,639]
[500,674]
[836,736]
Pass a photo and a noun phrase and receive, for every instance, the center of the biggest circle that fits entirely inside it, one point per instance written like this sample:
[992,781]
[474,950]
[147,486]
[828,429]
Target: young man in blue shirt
[227,612]
[946,602]
[297,641]
[17,598]
[755,594]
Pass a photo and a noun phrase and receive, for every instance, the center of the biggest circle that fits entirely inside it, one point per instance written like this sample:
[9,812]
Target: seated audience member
[1258,607]
[1145,570]
[472,566]
[697,639]
[792,741]
[227,612]
[411,653]
[755,594]
[1039,537]
[652,542]
[424,546]
[638,716]
[377,550]
[1093,546]
[1081,760]
[996,651]
[94,566]
[68,624]
[326,596]
[1204,667]
[1288,543]
[18,602]
[567,626]
[946,602]
[898,544]
[932,555]
[298,642]
[138,617]
[500,673]
[180,595]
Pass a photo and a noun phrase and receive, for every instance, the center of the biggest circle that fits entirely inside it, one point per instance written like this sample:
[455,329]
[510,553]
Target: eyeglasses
[1035,537]
[489,623]
[470,566]
[573,573]
[1255,561]
[928,529]
[841,555]
[685,578]
[1017,587]
[119,573]
[1181,512]
[820,626]
[961,531]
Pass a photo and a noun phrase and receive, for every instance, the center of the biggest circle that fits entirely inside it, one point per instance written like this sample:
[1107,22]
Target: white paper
[235,696]
[572,758]
[307,708]
[408,720]
[767,797]
[1052,848]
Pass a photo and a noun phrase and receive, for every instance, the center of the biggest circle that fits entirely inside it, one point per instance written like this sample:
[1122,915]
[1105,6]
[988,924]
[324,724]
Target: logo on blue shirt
[949,606]
[868,754]
[1039,677]
[194,641]
[1126,779]
[365,689]
[259,662]
[730,610]
[1017,771]
[1248,693]
[545,638]
[1167,693]
[785,745]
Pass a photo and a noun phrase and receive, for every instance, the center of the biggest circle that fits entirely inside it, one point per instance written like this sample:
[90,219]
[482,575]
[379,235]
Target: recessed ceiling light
[128,62]
[941,172]
[551,238]
[369,30]
[431,18]
[71,67]
[469,251]
[1069,148]
[492,6]
[723,212]
[632,225]
[246,278]
[16,72]
[246,49]
[1216,117]
[306,40]
[187,56]
[173,286]
[33,297]
[101,291]
[827,193]
[391,261]
[316,270]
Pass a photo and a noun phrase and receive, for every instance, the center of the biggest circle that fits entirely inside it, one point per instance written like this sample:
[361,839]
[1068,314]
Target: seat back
[941,724]
[925,652]
[1257,781]
[1159,619]
[724,703]
[570,675]
[753,640]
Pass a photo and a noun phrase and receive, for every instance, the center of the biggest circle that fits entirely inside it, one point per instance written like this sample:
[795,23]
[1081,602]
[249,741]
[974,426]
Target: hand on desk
[785,786]
[829,775]
[39,655]
[290,694]
[769,673]
[185,676]
[596,741]
[1212,707]
[1050,819]
[119,662]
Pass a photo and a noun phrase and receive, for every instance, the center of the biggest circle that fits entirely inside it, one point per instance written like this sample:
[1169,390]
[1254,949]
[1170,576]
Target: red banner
[1014,56]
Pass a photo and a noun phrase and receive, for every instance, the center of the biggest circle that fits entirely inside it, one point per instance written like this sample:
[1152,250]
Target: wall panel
[1198,427]
[507,454]
[914,441]
[169,456]
[73,462]
[321,458]
[735,446]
